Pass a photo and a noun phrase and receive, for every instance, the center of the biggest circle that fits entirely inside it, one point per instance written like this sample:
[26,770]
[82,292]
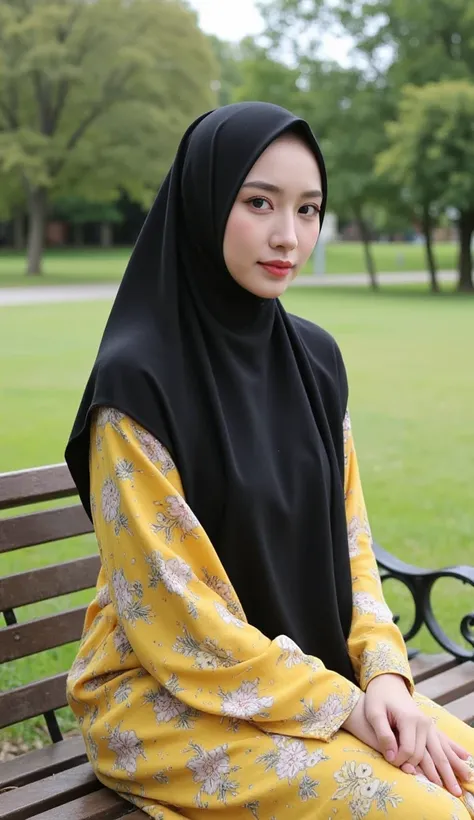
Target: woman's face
[274,223]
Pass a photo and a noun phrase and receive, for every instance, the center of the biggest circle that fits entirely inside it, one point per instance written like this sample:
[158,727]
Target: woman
[238,657]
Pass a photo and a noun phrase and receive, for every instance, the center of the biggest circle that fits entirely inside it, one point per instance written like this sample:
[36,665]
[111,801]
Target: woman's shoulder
[324,355]
[316,339]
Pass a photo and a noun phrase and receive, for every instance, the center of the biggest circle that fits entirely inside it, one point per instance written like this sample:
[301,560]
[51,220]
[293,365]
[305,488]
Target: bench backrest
[19,640]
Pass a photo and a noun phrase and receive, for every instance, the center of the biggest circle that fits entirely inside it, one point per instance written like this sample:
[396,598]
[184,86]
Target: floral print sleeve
[177,608]
[376,645]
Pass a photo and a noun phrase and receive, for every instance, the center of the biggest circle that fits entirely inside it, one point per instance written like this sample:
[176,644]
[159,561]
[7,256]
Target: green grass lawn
[409,358]
[96,265]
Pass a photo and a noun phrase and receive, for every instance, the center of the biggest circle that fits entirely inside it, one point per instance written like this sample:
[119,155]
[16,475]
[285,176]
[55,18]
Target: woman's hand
[409,739]
[358,725]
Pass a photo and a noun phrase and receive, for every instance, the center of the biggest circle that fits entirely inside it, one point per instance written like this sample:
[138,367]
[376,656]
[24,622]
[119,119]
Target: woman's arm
[177,606]
[376,645]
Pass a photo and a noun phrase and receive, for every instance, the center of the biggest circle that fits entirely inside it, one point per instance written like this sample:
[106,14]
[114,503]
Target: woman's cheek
[242,230]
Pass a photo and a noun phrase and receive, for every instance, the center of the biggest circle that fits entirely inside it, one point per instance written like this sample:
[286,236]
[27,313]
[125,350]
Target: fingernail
[390,756]
[457,791]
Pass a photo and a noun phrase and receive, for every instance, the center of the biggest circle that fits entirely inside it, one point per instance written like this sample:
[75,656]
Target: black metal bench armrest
[420,583]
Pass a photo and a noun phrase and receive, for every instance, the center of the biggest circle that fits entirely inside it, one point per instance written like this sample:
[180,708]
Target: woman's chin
[267,288]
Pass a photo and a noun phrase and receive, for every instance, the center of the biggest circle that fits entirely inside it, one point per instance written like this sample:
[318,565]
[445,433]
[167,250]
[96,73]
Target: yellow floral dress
[185,707]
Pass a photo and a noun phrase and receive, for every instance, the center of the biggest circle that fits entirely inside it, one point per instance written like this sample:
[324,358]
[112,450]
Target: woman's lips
[280,269]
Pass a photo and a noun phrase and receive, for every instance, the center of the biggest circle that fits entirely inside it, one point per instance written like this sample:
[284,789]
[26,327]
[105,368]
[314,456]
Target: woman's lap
[201,765]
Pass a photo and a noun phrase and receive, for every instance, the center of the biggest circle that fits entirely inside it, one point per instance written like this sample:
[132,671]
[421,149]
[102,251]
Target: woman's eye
[259,203]
[309,210]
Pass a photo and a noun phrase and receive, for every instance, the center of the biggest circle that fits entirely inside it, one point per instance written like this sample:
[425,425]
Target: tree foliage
[94,97]
[431,153]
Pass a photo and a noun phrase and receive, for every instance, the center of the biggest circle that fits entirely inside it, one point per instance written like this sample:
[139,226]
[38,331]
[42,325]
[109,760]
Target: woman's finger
[441,761]
[428,768]
[459,767]
[422,729]
[406,743]
[385,736]
[459,750]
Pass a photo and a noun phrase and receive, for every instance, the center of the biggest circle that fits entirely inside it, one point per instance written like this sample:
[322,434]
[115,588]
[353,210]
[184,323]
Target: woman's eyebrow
[274,189]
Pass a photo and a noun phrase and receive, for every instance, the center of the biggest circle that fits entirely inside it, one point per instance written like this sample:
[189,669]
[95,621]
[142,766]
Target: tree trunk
[465,228]
[369,259]
[427,228]
[19,232]
[37,208]
[106,234]
[78,234]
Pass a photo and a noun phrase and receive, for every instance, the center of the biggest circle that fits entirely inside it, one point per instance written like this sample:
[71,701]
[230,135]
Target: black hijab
[248,399]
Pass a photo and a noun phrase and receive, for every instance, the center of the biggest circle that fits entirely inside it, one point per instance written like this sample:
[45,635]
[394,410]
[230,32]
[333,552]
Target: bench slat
[100,805]
[48,582]
[32,699]
[43,527]
[450,685]
[42,763]
[426,666]
[137,814]
[41,795]
[463,708]
[21,640]
[30,486]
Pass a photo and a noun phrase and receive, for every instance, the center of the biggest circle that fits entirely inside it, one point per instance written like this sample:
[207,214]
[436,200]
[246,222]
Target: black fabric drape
[248,399]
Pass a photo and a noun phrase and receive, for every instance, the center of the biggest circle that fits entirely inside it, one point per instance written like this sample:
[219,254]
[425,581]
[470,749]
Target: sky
[228,19]
[234,19]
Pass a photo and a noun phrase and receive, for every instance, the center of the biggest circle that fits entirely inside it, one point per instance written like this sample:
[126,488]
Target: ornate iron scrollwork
[420,583]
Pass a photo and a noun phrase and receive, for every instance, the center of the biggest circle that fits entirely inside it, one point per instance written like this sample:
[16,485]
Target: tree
[79,212]
[228,58]
[432,149]
[94,97]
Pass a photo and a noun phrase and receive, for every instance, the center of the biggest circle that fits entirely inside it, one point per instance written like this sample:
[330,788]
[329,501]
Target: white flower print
[168,707]
[290,758]
[127,747]
[292,655]
[346,426]
[384,658]
[427,784]
[227,617]
[123,691]
[355,529]
[207,654]
[211,769]
[124,469]
[129,599]
[121,643]
[376,576]
[92,747]
[347,434]
[96,683]
[225,591]
[366,604]
[153,449]
[244,702]
[357,781]
[110,498]
[328,718]
[175,574]
[178,516]
[109,415]
[103,596]
[80,665]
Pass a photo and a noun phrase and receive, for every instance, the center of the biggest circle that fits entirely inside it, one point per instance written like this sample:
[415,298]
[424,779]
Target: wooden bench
[57,782]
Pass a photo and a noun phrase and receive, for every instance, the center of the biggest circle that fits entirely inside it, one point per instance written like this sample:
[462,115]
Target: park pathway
[47,294]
